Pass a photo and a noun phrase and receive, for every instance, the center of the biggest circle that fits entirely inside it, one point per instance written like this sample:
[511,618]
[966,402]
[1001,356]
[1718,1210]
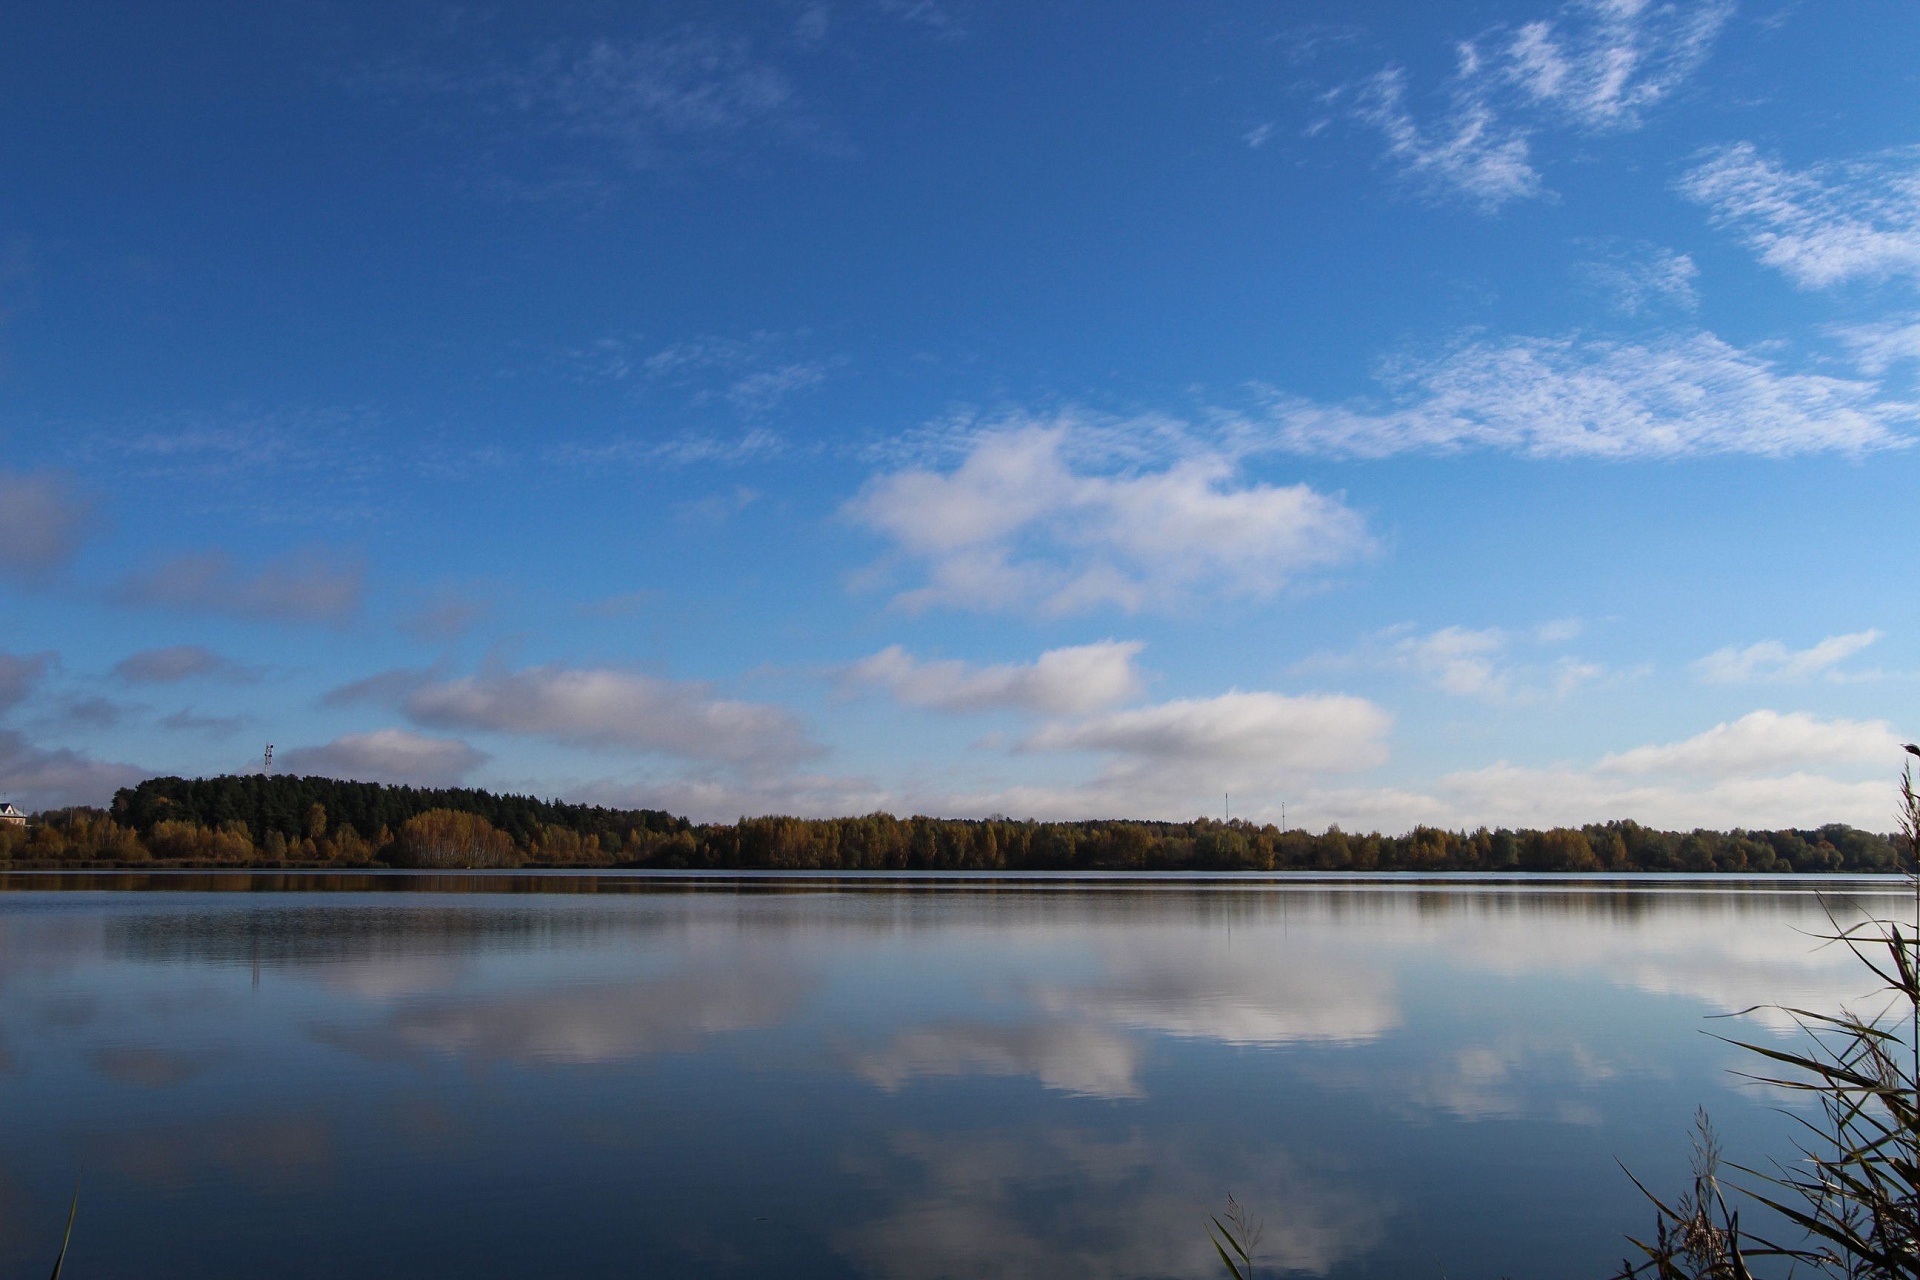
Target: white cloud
[1072,680]
[1766,770]
[1313,733]
[1602,64]
[1594,398]
[1022,523]
[1471,153]
[1459,660]
[1760,743]
[387,755]
[295,588]
[689,448]
[593,1018]
[719,795]
[1853,220]
[1072,1058]
[1489,663]
[1771,661]
[984,1204]
[1172,760]
[1565,796]
[1597,66]
[753,374]
[598,707]
[1646,278]
[42,522]
[1878,347]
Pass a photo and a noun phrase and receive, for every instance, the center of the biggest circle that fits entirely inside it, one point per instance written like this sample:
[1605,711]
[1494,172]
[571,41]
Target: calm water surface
[867,1078]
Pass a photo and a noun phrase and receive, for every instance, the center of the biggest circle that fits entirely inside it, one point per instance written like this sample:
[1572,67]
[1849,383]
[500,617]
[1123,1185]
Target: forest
[283,821]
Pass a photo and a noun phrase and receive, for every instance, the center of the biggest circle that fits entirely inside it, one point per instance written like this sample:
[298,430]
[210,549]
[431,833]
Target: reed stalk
[1854,1191]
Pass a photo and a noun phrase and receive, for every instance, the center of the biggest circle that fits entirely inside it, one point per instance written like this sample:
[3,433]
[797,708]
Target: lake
[593,1075]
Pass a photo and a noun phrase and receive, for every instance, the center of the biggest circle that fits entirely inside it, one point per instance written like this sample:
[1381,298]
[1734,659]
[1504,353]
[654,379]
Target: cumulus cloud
[1072,680]
[296,588]
[1310,733]
[188,720]
[1763,742]
[1566,796]
[174,663]
[1459,660]
[42,523]
[1772,661]
[444,617]
[1764,770]
[1072,1058]
[715,793]
[387,755]
[599,707]
[1022,522]
[601,1020]
[1596,66]
[1820,226]
[18,676]
[1595,398]
[962,1204]
[47,778]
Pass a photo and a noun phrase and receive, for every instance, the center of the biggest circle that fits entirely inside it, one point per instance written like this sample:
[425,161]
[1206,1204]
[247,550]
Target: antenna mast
[266,761]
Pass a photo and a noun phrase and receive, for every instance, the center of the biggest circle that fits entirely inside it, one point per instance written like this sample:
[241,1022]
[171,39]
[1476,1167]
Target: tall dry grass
[1852,1187]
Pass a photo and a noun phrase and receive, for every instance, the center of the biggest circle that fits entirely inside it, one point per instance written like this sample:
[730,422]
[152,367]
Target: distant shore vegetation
[257,820]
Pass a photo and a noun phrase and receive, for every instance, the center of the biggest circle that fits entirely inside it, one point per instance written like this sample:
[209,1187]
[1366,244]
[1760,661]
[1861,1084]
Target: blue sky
[1458,413]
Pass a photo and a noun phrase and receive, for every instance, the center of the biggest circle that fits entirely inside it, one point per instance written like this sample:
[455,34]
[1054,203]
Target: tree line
[256,820]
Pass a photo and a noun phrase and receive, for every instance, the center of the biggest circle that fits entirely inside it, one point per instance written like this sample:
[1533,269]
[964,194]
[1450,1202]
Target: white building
[10,814]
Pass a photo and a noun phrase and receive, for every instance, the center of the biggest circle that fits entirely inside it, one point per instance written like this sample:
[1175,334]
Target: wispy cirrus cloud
[1077,679]
[1489,663]
[1469,153]
[1596,66]
[1822,225]
[1576,397]
[310,587]
[1644,278]
[1880,346]
[1770,661]
[1030,519]
[690,94]
[43,520]
[686,449]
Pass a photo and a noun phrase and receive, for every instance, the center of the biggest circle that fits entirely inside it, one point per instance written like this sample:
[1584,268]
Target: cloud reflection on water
[1018,1203]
